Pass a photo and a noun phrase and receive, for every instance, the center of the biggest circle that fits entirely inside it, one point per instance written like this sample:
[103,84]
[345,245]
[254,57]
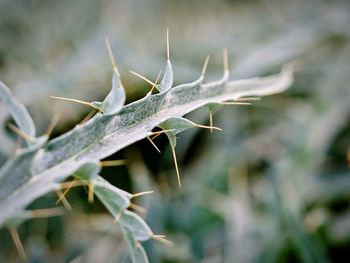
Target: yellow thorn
[225,58]
[155,83]
[74,100]
[109,163]
[88,116]
[91,193]
[70,184]
[155,136]
[211,120]
[142,193]
[17,241]
[49,212]
[110,52]
[208,127]
[157,133]
[64,200]
[138,208]
[154,145]
[167,44]
[205,66]
[162,239]
[248,99]
[142,77]
[234,103]
[21,133]
[52,124]
[176,166]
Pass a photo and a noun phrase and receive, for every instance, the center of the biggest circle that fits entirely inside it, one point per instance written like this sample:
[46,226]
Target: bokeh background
[273,186]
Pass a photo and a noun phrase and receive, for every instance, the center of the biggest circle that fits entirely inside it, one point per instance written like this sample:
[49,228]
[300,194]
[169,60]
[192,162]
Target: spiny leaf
[17,110]
[38,170]
[105,134]
[31,174]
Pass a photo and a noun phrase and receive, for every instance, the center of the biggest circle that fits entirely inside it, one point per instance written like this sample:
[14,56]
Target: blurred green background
[274,186]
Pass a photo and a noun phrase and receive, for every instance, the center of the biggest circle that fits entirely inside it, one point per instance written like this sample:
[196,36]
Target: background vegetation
[274,186]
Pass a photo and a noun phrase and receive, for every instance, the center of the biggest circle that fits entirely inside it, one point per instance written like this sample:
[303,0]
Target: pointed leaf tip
[17,110]
[115,99]
[167,80]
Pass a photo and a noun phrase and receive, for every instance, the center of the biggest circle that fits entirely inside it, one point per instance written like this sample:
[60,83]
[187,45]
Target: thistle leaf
[40,168]
[33,173]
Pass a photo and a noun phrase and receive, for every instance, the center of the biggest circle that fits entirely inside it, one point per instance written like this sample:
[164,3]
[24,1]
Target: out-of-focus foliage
[273,186]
